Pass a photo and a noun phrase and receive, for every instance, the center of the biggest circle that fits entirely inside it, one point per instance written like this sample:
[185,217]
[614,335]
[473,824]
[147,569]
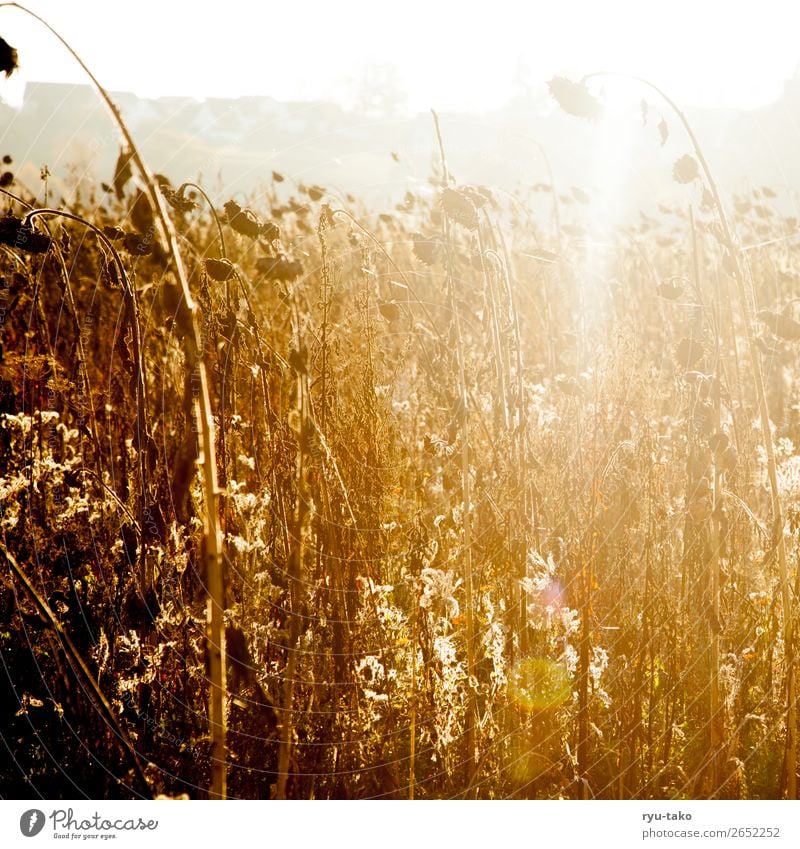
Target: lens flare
[539,684]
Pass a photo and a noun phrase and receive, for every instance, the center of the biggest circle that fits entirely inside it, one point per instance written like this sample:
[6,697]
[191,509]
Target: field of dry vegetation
[501,512]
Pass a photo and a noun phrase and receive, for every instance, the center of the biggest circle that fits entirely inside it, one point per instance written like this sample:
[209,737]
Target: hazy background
[339,93]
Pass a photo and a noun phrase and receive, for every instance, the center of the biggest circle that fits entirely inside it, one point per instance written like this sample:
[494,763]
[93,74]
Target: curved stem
[200,189]
[143,438]
[195,363]
[554,192]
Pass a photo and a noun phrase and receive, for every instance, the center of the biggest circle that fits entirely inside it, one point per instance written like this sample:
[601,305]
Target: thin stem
[143,437]
[194,349]
[755,363]
[472,709]
[214,215]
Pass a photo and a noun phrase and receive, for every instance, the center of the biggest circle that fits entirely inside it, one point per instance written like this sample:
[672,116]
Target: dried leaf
[575,98]
[122,173]
[580,195]
[663,131]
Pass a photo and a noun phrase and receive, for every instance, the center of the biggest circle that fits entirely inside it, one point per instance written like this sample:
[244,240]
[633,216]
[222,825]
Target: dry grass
[495,522]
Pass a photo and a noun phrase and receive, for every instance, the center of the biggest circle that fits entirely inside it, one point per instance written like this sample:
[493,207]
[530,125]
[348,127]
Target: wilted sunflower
[689,352]
[460,208]
[220,269]
[685,169]
[279,267]
[270,231]
[177,200]
[575,98]
[242,220]
[16,235]
[9,59]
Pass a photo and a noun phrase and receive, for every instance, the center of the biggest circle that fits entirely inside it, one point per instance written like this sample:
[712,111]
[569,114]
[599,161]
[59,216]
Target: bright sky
[462,55]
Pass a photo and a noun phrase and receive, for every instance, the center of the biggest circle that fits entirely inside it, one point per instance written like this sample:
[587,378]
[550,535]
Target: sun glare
[469,57]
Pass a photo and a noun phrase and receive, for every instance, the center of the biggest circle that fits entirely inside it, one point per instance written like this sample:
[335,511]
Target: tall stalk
[463,405]
[193,342]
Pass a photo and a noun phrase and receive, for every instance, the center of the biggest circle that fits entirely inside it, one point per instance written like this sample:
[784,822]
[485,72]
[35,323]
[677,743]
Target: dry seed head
[460,208]
[685,169]
[242,220]
[270,231]
[15,234]
[220,269]
[9,58]
[177,200]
